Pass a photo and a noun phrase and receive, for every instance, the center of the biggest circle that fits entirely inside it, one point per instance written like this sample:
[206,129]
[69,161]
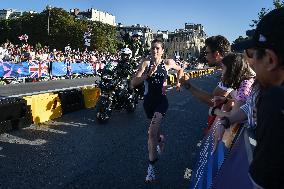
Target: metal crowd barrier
[39,108]
[225,168]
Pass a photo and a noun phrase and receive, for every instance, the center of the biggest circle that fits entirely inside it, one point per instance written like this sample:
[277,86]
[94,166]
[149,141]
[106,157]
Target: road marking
[50,91]
[41,128]
[17,140]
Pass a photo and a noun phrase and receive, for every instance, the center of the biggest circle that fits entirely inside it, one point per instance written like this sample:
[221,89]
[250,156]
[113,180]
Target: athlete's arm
[139,76]
[172,65]
[206,97]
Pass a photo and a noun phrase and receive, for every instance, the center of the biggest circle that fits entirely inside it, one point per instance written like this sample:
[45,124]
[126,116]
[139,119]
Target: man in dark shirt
[267,167]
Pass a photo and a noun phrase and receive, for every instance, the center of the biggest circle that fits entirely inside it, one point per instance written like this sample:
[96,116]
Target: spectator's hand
[178,87]
[210,110]
[216,111]
[219,100]
[184,79]
[220,129]
[218,135]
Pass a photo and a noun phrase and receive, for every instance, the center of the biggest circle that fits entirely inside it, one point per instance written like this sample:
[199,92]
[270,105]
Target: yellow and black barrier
[44,107]
[172,78]
[14,114]
[91,95]
[71,100]
[39,108]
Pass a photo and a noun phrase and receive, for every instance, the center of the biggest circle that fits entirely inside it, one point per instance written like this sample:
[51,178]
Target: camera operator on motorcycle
[115,88]
[125,67]
[136,46]
[138,53]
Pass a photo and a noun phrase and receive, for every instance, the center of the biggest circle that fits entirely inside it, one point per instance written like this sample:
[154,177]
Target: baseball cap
[268,33]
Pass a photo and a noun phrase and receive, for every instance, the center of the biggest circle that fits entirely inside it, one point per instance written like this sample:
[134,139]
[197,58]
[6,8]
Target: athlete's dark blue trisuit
[155,99]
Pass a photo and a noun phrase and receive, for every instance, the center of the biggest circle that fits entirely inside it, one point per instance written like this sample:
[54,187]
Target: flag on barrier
[208,163]
[23,37]
[81,68]
[14,70]
[38,69]
[234,172]
[59,69]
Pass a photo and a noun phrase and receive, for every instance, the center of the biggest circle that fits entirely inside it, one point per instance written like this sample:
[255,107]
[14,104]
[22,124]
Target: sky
[225,17]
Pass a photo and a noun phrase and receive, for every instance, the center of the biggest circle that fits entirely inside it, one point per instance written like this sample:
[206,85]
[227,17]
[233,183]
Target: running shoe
[150,174]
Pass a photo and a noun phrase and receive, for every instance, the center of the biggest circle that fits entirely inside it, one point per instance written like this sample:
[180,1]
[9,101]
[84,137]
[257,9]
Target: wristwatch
[226,123]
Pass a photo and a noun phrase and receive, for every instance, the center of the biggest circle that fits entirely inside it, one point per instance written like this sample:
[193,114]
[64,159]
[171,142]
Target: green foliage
[64,29]
[38,46]
[239,39]
[276,3]
[103,37]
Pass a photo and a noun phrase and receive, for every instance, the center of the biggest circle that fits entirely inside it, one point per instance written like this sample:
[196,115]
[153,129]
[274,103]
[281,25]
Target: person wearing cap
[267,167]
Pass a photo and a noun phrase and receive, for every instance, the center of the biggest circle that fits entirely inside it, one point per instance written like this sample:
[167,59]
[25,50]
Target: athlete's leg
[152,145]
[154,131]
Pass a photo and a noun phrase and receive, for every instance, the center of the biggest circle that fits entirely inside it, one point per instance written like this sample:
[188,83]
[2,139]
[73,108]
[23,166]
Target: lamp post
[48,7]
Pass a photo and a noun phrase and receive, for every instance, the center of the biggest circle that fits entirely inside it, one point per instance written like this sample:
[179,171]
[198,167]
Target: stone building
[94,15]
[125,33]
[9,14]
[185,43]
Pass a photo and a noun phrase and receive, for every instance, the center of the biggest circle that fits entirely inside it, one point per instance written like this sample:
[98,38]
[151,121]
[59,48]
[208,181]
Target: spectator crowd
[21,53]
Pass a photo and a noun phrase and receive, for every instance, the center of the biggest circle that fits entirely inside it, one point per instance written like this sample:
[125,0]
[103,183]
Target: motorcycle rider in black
[124,67]
[115,88]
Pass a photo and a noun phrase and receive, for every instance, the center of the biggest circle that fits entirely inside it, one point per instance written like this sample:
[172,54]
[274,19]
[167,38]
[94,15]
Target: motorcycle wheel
[131,105]
[102,114]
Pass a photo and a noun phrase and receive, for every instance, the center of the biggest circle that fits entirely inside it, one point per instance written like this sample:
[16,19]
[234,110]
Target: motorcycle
[140,88]
[115,95]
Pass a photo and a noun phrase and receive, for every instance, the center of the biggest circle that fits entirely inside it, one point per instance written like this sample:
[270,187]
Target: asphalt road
[39,87]
[75,151]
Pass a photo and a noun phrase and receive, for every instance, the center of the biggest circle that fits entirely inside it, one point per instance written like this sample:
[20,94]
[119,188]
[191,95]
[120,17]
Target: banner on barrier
[80,68]
[38,69]
[59,69]
[14,70]
[208,163]
[234,172]
[35,69]
[66,68]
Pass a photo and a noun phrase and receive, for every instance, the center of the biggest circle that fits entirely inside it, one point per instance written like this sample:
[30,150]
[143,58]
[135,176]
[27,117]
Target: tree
[64,29]
[103,37]
[239,39]
[276,3]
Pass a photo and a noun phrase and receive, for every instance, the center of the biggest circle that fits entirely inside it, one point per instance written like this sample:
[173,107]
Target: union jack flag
[24,37]
[38,69]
